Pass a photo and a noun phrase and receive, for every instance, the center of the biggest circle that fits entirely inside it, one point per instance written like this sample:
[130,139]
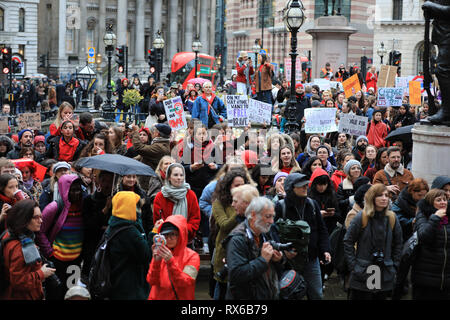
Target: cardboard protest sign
[320,120]
[353,124]
[414,93]
[237,107]
[29,121]
[351,86]
[323,84]
[175,113]
[259,112]
[4,125]
[390,97]
[386,77]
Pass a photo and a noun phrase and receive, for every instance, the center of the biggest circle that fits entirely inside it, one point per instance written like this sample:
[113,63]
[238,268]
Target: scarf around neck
[30,252]
[178,197]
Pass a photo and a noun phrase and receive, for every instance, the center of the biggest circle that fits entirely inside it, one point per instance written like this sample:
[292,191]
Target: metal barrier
[134,117]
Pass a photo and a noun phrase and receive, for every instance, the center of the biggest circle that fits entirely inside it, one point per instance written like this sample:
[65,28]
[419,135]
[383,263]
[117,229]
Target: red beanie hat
[299,85]
[250,158]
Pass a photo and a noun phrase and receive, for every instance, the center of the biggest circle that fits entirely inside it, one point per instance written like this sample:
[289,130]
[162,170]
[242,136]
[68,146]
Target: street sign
[91,55]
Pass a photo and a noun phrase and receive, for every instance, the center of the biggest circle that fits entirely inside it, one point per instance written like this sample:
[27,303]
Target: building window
[21,20]
[2,19]
[397,10]
[70,40]
[265,13]
[319,9]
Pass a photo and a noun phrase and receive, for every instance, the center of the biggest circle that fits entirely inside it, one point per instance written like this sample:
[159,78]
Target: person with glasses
[174,267]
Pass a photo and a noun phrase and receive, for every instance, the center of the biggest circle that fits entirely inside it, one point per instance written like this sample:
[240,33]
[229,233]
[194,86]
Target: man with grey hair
[208,108]
[253,264]
[159,147]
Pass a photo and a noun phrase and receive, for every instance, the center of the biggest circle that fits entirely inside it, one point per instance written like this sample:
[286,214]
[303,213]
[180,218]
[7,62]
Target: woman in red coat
[174,267]
[177,198]
[24,270]
[377,131]
[371,79]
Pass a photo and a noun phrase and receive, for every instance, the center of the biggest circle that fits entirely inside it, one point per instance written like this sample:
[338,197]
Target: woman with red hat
[64,146]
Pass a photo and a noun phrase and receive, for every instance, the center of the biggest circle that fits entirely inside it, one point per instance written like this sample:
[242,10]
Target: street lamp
[109,40]
[196,46]
[256,49]
[84,77]
[158,44]
[294,18]
[382,51]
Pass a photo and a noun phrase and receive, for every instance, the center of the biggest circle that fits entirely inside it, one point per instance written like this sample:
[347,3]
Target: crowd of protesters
[223,192]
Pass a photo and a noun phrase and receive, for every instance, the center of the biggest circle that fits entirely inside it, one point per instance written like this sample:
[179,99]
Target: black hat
[300,180]
[315,104]
[163,129]
[167,227]
[360,182]
[360,193]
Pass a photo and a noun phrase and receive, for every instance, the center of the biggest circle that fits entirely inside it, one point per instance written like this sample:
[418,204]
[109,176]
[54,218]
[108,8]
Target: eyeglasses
[172,235]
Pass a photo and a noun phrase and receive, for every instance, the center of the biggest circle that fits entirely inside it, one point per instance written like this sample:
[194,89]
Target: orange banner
[351,86]
[414,93]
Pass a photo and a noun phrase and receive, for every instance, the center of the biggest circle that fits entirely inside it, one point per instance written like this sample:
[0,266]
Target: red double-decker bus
[183,67]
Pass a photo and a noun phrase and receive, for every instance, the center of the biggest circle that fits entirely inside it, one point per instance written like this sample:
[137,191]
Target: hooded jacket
[129,250]
[338,177]
[181,269]
[309,211]
[405,209]
[377,133]
[47,235]
[200,110]
[8,142]
[431,267]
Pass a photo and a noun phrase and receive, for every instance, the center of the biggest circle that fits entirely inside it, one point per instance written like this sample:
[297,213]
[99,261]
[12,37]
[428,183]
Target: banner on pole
[175,113]
[320,120]
[352,124]
[237,107]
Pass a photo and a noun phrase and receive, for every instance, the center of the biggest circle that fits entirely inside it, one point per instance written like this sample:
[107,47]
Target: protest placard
[351,86]
[29,121]
[323,84]
[386,77]
[390,97]
[288,68]
[415,96]
[320,120]
[237,107]
[337,85]
[401,82]
[175,113]
[4,125]
[352,124]
[259,112]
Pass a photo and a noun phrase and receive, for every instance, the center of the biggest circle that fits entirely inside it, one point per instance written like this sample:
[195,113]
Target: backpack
[99,283]
[4,283]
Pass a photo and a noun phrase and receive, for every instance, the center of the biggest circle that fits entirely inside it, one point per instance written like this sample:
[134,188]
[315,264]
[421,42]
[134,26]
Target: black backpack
[4,283]
[100,272]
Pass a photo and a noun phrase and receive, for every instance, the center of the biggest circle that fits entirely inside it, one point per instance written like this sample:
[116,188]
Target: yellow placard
[351,86]
[414,93]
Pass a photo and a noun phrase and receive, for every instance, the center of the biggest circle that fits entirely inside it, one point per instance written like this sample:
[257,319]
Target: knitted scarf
[30,252]
[178,197]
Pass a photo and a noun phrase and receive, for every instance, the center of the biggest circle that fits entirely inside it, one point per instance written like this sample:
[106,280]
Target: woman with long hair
[368,161]
[378,234]
[115,135]
[339,175]
[311,165]
[9,186]
[430,274]
[377,130]
[323,153]
[65,112]
[226,219]
[287,161]
[99,145]
[381,160]
[343,142]
[177,198]
[64,146]
[314,142]
[23,265]
[261,174]
[345,192]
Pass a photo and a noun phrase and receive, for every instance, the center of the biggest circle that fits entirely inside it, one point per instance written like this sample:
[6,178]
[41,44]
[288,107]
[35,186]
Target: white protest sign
[337,85]
[259,112]
[288,68]
[390,97]
[353,124]
[175,113]
[402,82]
[237,107]
[323,84]
[320,120]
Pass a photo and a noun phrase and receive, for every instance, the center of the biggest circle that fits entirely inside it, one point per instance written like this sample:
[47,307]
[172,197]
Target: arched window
[21,20]
[2,19]
[419,61]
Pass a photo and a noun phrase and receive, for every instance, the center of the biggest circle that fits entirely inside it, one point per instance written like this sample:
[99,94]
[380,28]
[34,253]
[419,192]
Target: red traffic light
[120,69]
[5,70]
[5,50]
[152,69]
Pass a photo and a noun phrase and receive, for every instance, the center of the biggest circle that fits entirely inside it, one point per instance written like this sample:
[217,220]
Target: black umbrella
[403,134]
[118,164]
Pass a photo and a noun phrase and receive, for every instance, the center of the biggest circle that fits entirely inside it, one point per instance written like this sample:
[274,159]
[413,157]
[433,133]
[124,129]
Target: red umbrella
[39,170]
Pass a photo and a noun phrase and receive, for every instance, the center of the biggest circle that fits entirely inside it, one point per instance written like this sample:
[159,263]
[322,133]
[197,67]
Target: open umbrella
[403,134]
[39,170]
[201,81]
[118,164]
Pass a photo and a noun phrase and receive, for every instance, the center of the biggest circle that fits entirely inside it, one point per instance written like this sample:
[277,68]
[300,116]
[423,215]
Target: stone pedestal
[431,151]
[330,42]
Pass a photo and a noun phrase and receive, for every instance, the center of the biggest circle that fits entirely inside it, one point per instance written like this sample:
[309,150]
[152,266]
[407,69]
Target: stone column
[102,28]
[173,28]
[204,38]
[122,13]
[82,50]
[140,32]
[157,12]
[62,27]
[189,24]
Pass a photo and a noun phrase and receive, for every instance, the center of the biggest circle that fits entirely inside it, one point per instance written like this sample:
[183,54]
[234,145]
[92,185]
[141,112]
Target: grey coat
[377,234]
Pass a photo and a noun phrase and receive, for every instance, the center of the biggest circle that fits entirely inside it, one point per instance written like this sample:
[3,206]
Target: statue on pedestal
[439,11]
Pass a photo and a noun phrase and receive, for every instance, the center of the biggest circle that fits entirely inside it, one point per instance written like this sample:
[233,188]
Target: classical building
[68,28]
[18,30]
[249,20]
[400,25]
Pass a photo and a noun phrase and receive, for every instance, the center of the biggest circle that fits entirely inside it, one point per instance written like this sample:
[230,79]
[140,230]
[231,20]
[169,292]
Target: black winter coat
[344,192]
[302,103]
[250,277]
[405,209]
[156,108]
[431,267]
[326,200]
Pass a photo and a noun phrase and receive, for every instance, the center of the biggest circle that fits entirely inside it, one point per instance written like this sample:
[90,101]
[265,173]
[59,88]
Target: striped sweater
[68,243]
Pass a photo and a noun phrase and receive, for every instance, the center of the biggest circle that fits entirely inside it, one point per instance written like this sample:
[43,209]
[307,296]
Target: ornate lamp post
[256,49]
[294,18]
[110,42]
[382,51]
[196,46]
[158,44]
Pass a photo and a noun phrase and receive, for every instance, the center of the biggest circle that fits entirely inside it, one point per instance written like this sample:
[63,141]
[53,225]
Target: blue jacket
[205,200]
[200,110]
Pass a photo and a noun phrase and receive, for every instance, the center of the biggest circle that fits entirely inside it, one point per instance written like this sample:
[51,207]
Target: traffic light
[152,59]
[281,68]
[42,59]
[6,60]
[120,58]
[397,60]
[15,66]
